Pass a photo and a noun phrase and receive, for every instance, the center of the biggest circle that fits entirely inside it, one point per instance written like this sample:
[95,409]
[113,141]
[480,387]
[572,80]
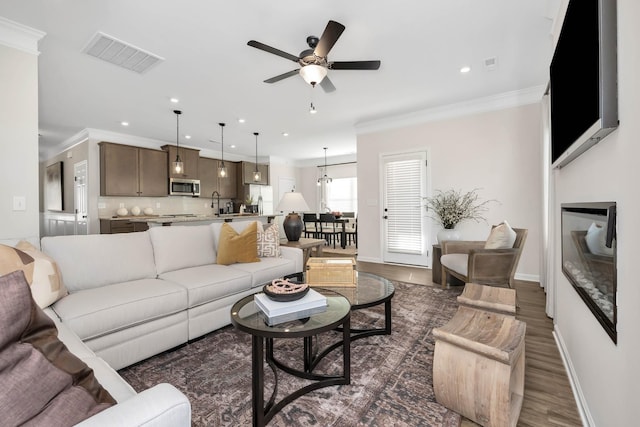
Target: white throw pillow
[502,237]
[596,240]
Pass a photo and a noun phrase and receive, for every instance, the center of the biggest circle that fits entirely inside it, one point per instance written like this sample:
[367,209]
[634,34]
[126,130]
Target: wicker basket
[331,272]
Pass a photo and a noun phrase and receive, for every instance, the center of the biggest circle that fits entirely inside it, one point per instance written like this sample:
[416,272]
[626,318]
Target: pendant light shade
[222,169]
[257,176]
[178,166]
[324,179]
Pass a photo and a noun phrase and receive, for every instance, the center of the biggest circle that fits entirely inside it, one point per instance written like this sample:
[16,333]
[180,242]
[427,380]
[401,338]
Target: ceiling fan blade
[330,36]
[327,85]
[354,65]
[273,50]
[282,76]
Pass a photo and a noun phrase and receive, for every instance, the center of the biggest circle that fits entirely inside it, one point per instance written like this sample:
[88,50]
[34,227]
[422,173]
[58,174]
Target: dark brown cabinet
[132,171]
[248,168]
[190,159]
[209,181]
[113,226]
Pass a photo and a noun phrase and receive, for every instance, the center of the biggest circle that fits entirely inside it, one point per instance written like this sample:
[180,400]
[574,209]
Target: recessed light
[233,145]
[174,100]
[187,137]
[465,69]
[124,123]
[285,134]
[241,120]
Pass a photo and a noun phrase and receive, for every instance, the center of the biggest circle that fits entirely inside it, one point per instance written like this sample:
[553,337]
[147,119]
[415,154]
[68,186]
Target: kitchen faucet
[217,202]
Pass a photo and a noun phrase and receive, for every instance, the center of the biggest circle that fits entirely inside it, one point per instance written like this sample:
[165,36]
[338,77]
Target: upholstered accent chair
[471,262]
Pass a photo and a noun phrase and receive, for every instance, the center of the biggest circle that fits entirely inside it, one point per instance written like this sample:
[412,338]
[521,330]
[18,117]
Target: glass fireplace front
[589,257]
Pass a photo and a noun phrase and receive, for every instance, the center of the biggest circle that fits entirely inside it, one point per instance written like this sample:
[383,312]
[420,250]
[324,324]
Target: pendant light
[324,178]
[178,166]
[257,176]
[222,169]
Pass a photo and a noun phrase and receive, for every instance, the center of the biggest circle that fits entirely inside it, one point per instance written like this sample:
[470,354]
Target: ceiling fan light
[313,74]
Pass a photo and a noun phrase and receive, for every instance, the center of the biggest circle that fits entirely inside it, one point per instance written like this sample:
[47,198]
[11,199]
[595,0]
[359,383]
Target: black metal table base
[262,413]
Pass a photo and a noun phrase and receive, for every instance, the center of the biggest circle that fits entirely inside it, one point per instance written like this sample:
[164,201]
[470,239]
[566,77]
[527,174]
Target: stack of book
[278,312]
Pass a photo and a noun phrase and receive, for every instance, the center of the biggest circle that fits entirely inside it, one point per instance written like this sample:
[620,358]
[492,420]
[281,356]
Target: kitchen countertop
[177,218]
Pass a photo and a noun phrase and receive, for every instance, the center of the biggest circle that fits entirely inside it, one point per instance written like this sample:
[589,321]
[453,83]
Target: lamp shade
[313,74]
[292,224]
[292,202]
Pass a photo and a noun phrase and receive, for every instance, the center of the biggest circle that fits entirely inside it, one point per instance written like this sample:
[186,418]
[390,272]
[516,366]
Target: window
[342,195]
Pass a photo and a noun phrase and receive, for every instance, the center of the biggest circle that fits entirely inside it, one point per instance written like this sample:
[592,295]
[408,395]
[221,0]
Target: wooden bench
[478,366]
[500,300]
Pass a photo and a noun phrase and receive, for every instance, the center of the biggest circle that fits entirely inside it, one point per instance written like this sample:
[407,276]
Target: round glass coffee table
[370,290]
[247,317]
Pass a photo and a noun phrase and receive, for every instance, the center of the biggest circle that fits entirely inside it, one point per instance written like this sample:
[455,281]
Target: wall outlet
[157,205]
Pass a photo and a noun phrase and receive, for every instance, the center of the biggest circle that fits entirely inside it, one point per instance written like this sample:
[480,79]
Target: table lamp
[292,202]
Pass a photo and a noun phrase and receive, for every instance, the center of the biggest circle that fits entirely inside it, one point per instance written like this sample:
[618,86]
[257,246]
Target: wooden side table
[307,246]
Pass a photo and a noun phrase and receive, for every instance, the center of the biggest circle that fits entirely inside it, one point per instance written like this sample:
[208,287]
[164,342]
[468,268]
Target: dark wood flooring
[548,399]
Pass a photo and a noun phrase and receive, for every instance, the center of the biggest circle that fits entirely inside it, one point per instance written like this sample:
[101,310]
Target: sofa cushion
[95,260]
[268,240]
[182,246]
[238,247]
[209,282]
[41,272]
[44,383]
[267,270]
[456,262]
[501,237]
[102,311]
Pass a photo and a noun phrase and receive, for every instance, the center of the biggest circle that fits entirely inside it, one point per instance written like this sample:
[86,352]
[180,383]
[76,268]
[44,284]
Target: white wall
[19,132]
[608,375]
[496,151]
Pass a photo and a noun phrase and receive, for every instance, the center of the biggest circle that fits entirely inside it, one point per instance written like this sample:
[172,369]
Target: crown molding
[476,106]
[21,37]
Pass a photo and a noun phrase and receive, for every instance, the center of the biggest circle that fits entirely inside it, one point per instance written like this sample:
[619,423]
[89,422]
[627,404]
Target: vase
[448,234]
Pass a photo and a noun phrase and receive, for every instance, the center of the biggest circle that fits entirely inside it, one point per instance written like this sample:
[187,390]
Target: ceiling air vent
[120,53]
[491,63]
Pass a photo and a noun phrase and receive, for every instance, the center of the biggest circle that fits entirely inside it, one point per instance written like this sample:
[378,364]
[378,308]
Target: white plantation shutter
[403,204]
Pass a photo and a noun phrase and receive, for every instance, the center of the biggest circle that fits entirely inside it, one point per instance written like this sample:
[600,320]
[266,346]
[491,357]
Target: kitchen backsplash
[107,206]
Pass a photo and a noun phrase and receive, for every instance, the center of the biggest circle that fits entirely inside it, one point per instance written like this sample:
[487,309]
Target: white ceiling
[218,78]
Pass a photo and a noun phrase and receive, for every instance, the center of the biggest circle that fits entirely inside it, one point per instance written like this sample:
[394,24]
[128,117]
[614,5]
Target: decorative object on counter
[148,211]
[222,169]
[122,212]
[178,165]
[284,290]
[257,176]
[451,207]
[292,202]
[135,211]
[324,179]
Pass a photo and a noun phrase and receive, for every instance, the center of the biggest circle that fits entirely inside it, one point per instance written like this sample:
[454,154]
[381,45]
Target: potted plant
[451,207]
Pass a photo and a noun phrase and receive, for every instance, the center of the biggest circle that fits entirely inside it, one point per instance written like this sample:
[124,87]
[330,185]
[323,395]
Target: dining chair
[310,221]
[330,232]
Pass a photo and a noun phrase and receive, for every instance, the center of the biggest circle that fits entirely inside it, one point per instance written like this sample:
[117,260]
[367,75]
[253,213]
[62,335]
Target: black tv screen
[583,79]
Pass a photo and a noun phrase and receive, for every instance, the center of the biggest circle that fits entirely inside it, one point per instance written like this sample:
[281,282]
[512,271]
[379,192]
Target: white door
[405,223]
[80,197]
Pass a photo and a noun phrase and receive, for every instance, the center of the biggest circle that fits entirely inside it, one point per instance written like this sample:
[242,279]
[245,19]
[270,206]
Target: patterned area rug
[391,375]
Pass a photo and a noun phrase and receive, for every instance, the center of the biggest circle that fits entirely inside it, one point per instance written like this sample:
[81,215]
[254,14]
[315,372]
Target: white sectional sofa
[134,295]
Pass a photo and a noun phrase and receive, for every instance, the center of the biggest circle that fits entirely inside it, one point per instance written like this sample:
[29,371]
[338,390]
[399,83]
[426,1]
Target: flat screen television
[583,79]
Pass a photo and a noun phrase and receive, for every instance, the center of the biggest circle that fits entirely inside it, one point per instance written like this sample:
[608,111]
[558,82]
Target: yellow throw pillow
[234,247]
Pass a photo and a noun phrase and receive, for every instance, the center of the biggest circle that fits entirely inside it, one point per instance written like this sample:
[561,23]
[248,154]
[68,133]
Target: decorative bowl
[283,290]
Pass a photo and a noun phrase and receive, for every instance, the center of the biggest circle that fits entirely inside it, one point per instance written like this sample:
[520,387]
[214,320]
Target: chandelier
[324,178]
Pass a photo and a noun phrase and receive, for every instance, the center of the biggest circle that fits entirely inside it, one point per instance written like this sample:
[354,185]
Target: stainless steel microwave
[184,187]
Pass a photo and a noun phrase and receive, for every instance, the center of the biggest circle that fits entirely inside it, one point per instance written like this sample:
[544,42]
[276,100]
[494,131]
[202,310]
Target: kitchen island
[127,224]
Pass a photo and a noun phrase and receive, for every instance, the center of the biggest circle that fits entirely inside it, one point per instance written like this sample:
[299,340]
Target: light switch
[19,203]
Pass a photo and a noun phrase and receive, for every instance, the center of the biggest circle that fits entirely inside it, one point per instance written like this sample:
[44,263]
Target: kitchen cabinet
[113,226]
[248,168]
[190,159]
[132,171]
[209,181]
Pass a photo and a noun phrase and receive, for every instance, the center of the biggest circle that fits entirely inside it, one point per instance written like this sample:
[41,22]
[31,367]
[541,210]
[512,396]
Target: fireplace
[589,257]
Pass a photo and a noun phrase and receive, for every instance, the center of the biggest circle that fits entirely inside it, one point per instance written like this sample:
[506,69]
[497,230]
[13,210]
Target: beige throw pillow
[268,241]
[501,237]
[41,271]
[234,247]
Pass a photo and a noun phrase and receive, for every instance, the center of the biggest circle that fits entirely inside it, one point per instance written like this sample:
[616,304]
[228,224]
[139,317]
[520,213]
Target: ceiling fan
[314,62]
